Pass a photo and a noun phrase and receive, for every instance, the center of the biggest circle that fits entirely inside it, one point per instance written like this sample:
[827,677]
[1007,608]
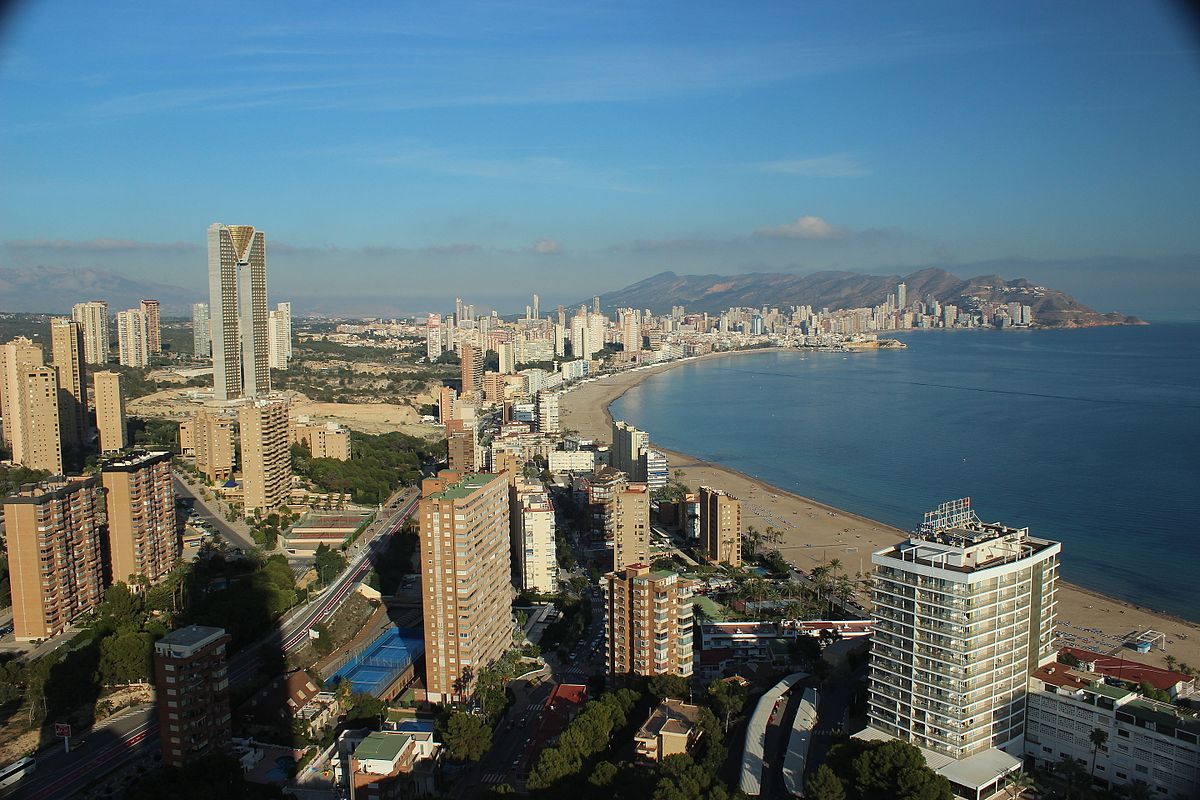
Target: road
[210,509]
[95,754]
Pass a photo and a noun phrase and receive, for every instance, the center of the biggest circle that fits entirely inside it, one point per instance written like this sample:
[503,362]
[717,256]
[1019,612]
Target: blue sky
[402,154]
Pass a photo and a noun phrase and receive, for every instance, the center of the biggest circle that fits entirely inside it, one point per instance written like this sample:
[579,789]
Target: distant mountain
[835,290]
[55,290]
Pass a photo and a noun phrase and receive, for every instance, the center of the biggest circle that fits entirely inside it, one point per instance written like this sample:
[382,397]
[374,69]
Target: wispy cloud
[838,165]
[100,245]
[547,246]
[806,227]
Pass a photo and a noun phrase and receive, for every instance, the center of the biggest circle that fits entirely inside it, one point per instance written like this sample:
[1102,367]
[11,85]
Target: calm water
[1090,437]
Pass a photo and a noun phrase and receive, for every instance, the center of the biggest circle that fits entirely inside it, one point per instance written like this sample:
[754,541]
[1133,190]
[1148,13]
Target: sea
[1090,437]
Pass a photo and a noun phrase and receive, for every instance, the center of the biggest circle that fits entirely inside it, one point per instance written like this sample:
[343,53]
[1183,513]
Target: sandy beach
[813,533]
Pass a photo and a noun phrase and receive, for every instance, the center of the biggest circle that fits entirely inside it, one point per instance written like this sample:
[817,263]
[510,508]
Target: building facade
[279,335]
[213,444]
[194,719]
[323,440]
[110,411]
[93,316]
[54,531]
[30,406]
[472,370]
[266,454]
[133,345]
[201,333]
[648,622]
[465,579]
[721,526]
[237,302]
[150,309]
[66,351]
[534,549]
[631,525]
[143,527]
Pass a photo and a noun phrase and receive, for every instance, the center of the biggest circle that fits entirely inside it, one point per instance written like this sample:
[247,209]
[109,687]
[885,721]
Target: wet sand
[812,533]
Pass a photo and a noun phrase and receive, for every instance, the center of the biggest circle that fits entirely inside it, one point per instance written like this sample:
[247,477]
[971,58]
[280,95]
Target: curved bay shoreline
[814,532]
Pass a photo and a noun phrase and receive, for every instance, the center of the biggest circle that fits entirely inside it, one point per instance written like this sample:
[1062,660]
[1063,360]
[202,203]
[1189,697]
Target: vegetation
[571,626]
[328,564]
[154,434]
[395,562]
[587,735]
[467,736]
[211,776]
[377,467]
[883,771]
[12,478]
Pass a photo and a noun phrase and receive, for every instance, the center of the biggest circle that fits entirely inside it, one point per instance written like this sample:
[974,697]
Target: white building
[547,412]
[572,461]
[534,548]
[93,316]
[133,344]
[279,335]
[574,370]
[201,333]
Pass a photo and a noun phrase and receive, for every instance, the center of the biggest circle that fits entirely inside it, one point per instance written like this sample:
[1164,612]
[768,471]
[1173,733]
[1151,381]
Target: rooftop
[670,716]
[133,459]
[465,486]
[380,746]
[1127,670]
[189,638]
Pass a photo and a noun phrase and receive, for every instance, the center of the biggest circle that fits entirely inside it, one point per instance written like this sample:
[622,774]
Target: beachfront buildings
[465,579]
[237,293]
[110,411]
[647,622]
[720,526]
[190,679]
[266,454]
[54,530]
[964,613]
[143,528]
[627,445]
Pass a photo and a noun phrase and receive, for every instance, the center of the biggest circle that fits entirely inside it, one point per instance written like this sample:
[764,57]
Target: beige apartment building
[472,370]
[266,456]
[465,579]
[30,407]
[143,528]
[210,439]
[648,622]
[150,309]
[631,525]
[322,440]
[54,531]
[66,353]
[535,553]
[133,348]
[110,411]
[93,316]
[721,526]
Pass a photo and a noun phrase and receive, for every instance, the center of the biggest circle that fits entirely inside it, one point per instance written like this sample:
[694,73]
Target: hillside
[54,290]
[715,293]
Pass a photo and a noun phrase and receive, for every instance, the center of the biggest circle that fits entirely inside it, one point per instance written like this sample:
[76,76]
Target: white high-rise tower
[237,290]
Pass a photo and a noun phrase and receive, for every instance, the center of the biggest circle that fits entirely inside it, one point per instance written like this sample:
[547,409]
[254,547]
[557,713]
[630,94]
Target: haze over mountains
[835,290]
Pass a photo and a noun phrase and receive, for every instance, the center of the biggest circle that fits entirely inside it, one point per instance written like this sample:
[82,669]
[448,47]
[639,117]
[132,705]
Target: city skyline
[572,151]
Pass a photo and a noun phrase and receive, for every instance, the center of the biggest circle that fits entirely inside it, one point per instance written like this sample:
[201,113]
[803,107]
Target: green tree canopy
[467,737]
[824,785]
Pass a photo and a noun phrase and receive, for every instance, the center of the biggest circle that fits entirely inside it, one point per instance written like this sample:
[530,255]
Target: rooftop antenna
[949,515]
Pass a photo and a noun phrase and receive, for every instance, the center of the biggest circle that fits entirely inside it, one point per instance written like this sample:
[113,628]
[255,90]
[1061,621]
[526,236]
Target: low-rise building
[385,766]
[672,728]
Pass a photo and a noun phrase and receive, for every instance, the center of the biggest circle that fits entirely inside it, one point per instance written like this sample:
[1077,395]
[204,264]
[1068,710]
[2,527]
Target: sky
[400,154]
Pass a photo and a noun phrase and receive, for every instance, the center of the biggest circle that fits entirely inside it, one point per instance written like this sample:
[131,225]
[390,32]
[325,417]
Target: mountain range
[838,290]
[54,290]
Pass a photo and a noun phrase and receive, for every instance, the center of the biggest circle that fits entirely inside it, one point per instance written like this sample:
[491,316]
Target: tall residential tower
[237,290]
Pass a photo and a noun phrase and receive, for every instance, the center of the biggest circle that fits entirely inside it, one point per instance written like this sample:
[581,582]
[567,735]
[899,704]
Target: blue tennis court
[372,670]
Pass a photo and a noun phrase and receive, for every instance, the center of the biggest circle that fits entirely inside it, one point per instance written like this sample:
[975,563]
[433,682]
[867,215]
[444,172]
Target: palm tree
[1171,662]
[1018,783]
[1098,737]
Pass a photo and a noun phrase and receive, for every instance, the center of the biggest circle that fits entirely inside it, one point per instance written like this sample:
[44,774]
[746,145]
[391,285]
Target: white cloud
[837,165]
[806,227]
[547,246]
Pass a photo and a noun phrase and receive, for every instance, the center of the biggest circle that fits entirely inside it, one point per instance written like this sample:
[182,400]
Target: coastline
[815,532]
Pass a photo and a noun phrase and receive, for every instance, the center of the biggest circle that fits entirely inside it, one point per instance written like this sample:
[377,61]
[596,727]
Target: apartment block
[266,454]
[534,548]
[133,341]
[279,336]
[93,316]
[460,446]
[201,331]
[143,527]
[548,412]
[465,579]
[110,411]
[53,532]
[631,525]
[648,622]
[190,678]
[322,440]
[66,352]
[472,370]
[30,406]
[721,526]
[150,309]
[627,445]
[213,440]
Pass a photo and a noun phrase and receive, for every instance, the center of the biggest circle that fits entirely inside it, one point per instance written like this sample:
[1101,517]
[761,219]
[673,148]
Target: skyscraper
[628,443]
[279,328]
[110,411]
[433,337]
[534,547]
[548,414]
[93,316]
[631,525]
[631,330]
[66,351]
[133,347]
[537,311]
[31,419]
[465,580]
[193,693]
[143,528]
[266,454]
[153,329]
[902,296]
[201,334]
[237,292]
[721,526]
[648,627]
[964,612]
[54,530]
[472,370]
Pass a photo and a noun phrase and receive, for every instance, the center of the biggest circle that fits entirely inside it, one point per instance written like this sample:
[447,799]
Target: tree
[1098,737]
[895,769]
[1017,783]
[328,563]
[467,737]
[1071,771]
[824,785]
[1171,662]
[668,686]
[727,699]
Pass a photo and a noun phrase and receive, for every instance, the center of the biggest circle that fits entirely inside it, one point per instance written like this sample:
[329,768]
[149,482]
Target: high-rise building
[446,400]
[720,526]
[433,337]
[964,613]
[237,292]
[460,446]
[53,532]
[153,325]
[201,332]
[902,296]
[466,594]
[548,414]
[654,468]
[143,527]
[597,324]
[133,348]
[631,525]
[627,445]
[190,680]
[213,445]
[537,310]
[648,624]
[66,352]
[631,330]
[472,370]
[534,548]
[507,358]
[279,335]
[110,411]
[31,417]
[93,316]
[266,454]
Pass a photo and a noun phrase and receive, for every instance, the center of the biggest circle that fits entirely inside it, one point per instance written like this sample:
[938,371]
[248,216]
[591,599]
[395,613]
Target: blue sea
[1090,437]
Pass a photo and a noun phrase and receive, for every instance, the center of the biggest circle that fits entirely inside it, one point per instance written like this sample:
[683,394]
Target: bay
[1089,437]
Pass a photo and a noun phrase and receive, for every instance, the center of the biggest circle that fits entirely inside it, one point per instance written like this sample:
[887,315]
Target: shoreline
[813,532]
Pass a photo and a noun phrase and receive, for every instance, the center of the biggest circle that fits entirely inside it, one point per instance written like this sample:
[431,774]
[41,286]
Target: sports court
[392,652]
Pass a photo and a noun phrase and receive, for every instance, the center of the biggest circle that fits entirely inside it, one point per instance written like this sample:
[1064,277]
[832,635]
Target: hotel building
[648,622]
[721,526]
[190,679]
[465,579]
